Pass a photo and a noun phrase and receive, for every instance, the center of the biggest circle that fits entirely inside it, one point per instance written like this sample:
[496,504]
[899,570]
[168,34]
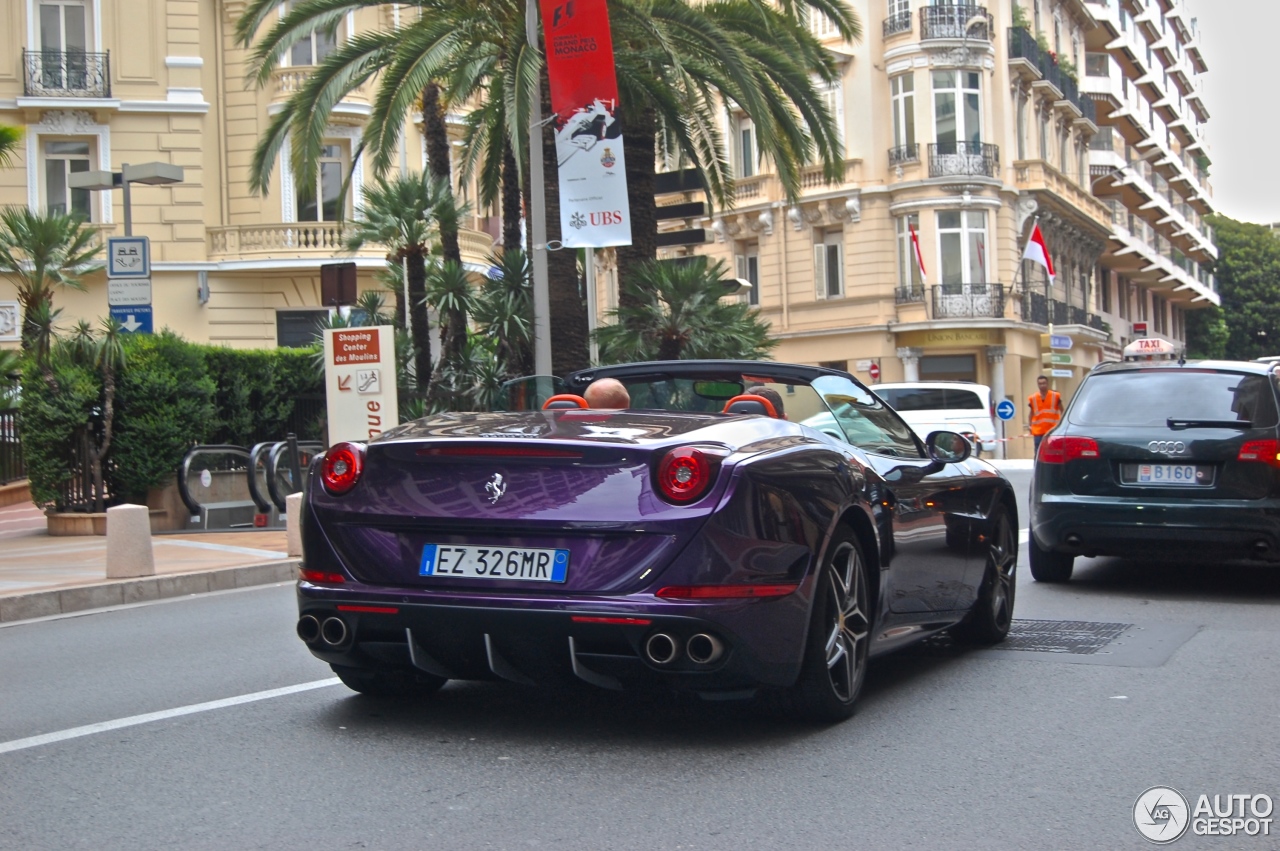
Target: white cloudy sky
[1238,39]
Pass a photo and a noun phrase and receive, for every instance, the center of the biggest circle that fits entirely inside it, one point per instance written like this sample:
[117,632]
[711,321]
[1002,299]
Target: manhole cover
[1078,638]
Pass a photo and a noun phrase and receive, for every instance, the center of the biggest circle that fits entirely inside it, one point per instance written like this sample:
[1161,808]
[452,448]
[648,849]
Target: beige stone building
[100,83]
[960,127]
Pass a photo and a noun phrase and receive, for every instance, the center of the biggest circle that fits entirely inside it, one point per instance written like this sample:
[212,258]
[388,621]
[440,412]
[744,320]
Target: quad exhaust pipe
[704,649]
[661,649]
[309,628]
[334,632]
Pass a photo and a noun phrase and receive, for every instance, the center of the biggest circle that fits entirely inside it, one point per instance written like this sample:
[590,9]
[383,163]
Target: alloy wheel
[848,622]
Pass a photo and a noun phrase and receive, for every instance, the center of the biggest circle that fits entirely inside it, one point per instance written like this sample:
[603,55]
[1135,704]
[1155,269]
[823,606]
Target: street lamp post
[152,174]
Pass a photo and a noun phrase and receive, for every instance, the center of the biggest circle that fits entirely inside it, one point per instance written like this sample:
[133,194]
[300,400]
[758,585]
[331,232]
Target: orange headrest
[564,400]
[749,403]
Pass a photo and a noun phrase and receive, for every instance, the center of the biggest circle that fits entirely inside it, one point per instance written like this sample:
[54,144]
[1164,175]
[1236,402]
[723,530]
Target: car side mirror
[947,447]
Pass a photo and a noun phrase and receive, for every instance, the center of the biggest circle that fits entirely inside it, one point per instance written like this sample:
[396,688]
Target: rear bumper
[1141,528]
[537,641]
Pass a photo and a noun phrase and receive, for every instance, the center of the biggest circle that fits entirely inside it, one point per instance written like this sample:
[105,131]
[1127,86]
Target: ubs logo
[1168,447]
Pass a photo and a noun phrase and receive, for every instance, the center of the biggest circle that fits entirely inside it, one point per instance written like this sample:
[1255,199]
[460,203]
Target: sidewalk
[42,576]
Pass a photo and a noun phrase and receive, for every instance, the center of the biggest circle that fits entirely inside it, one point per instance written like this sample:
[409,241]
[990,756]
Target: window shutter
[837,257]
[740,263]
[820,269]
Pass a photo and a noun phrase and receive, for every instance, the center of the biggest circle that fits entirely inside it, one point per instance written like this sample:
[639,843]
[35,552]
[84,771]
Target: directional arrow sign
[1059,341]
[135,319]
[1062,373]
[1055,358]
[1005,409]
[344,382]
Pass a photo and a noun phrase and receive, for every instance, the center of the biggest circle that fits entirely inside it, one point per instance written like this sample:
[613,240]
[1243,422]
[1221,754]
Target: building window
[298,329]
[1064,160]
[1022,126]
[319,203]
[903,99]
[745,146]
[909,280]
[747,262]
[957,109]
[962,246]
[61,160]
[64,40]
[833,96]
[314,47]
[828,264]
[842,365]
[949,368]
[1044,135]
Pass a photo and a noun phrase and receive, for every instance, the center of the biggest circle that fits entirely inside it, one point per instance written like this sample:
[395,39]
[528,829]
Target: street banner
[915,245]
[584,100]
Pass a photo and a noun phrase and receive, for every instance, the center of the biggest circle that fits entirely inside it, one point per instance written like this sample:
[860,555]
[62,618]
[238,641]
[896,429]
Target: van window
[906,399]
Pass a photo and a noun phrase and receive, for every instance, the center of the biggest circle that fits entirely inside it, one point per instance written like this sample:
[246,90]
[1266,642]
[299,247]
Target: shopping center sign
[360,382]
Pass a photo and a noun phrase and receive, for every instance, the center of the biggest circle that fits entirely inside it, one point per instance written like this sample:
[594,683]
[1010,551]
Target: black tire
[835,659]
[989,620]
[398,683]
[1048,566]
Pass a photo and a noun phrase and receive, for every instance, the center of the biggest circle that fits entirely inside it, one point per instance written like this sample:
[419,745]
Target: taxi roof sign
[1149,348]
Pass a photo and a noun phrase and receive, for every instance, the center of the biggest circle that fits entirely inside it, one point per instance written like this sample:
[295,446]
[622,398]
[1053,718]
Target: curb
[61,601]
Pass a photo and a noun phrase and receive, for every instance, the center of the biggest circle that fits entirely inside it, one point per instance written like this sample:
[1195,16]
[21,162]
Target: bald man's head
[607,393]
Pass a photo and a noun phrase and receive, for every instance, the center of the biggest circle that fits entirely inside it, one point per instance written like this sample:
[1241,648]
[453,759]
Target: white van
[944,406]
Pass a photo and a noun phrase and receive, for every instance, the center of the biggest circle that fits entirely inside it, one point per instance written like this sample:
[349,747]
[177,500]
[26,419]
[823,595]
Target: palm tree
[449,292]
[504,312]
[678,310]
[402,213]
[678,62]
[41,251]
[104,353]
[9,138]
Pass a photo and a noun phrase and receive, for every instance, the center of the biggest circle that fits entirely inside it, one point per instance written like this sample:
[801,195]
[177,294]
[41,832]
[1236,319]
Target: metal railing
[76,493]
[1043,311]
[12,466]
[903,154]
[952,22]
[962,159]
[899,22]
[905,295]
[968,301]
[66,73]
[1023,45]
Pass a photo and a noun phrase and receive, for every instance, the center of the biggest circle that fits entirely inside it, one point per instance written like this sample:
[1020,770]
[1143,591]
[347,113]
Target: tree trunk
[638,134]
[99,452]
[399,293]
[568,306]
[418,312]
[510,199]
[437,136]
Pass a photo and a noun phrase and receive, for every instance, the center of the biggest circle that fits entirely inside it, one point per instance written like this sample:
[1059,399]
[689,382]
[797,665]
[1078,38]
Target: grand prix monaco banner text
[584,98]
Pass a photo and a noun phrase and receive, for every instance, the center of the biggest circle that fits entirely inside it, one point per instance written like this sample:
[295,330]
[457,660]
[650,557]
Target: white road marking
[223,548]
[135,720]
[1024,536]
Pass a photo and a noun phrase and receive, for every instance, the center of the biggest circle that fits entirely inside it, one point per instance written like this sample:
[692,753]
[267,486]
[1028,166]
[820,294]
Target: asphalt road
[950,749]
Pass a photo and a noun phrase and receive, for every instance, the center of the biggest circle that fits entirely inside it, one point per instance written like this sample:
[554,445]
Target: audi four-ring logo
[1169,447]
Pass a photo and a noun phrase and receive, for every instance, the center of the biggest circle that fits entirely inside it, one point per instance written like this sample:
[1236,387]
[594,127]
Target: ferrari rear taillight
[686,472]
[1061,449]
[725,592]
[1260,452]
[343,464]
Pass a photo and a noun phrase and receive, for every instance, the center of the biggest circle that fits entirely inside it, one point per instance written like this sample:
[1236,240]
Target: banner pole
[538,215]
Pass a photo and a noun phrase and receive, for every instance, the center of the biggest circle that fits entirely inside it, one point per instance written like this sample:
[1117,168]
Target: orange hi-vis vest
[1045,413]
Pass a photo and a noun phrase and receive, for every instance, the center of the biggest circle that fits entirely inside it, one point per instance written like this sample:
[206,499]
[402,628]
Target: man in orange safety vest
[1045,411]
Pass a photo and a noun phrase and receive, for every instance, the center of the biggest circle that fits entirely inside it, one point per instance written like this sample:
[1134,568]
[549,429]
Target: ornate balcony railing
[953,22]
[899,22]
[904,295]
[1022,45]
[1042,311]
[314,239]
[905,154]
[963,159]
[66,74]
[968,301]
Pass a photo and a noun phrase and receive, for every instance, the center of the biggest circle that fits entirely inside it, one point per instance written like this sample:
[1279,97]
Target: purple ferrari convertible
[741,528]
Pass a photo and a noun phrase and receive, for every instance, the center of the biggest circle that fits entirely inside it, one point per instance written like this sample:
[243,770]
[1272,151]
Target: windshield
[1153,397]
[908,399]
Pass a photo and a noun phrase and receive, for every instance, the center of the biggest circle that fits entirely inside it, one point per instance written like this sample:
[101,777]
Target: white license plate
[493,563]
[1167,474]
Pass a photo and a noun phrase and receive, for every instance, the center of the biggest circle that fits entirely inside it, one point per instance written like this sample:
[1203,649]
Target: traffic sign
[135,319]
[123,292]
[1056,358]
[1005,409]
[874,371]
[1062,373]
[128,257]
[1059,341]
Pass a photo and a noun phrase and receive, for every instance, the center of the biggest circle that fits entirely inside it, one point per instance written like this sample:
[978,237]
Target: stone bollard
[129,542]
[292,524]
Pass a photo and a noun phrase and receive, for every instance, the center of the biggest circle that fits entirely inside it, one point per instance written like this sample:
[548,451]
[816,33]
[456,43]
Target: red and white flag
[1038,251]
[915,246]
[584,97]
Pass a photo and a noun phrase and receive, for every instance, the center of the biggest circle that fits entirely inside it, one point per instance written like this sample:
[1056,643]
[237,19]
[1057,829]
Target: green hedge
[171,395]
